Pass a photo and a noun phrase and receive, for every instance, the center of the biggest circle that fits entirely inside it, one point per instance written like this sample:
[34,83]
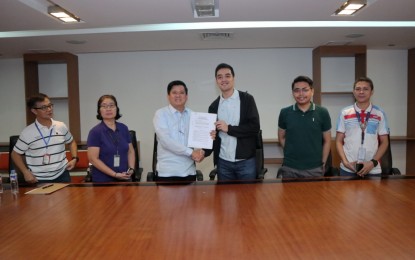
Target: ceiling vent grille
[216,35]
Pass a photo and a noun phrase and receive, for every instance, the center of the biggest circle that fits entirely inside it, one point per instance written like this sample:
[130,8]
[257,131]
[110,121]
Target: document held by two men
[201,124]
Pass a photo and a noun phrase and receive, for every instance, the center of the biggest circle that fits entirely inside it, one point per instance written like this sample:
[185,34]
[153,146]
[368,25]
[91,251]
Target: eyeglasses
[44,108]
[111,106]
[299,90]
[362,89]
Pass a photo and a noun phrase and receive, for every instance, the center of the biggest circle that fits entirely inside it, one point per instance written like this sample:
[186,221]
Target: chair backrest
[330,170]
[260,170]
[386,162]
[137,175]
[154,163]
[12,142]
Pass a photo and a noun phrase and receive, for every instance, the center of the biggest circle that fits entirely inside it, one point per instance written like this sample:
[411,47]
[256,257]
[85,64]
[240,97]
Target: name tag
[116,160]
[46,159]
[361,154]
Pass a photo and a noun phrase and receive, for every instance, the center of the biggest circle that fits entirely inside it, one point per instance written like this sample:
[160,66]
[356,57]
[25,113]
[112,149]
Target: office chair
[12,142]
[386,162]
[138,170]
[329,170]
[136,177]
[259,159]
[152,176]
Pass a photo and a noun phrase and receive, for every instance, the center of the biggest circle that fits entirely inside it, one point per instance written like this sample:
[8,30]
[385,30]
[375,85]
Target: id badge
[46,159]
[116,160]
[361,154]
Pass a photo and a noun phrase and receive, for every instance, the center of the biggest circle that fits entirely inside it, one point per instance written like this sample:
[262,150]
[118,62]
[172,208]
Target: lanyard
[43,138]
[114,138]
[362,122]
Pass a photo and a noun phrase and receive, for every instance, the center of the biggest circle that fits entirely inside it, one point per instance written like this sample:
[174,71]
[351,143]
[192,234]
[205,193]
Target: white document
[201,124]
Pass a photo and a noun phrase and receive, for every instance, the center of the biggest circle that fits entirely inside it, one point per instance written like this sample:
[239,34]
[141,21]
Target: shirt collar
[369,108]
[43,126]
[235,96]
[311,108]
[173,110]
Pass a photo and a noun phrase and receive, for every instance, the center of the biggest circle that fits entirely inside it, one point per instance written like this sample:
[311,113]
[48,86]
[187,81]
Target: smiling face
[225,81]
[362,92]
[177,97]
[302,93]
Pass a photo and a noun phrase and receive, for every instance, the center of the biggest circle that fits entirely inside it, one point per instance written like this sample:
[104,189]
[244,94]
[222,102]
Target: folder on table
[48,188]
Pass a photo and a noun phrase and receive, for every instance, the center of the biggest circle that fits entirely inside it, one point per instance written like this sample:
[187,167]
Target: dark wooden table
[336,219]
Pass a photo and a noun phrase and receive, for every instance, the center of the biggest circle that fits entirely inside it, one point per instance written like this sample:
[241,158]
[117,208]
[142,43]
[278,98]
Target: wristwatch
[375,162]
[131,169]
[75,158]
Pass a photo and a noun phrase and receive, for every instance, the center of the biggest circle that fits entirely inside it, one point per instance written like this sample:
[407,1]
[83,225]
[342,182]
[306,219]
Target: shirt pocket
[372,127]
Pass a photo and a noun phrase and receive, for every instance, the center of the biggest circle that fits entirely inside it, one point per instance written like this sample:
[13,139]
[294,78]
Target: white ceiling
[135,25]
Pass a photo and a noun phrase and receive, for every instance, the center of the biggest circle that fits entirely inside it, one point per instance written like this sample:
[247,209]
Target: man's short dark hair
[302,79]
[32,100]
[176,83]
[364,79]
[101,99]
[224,66]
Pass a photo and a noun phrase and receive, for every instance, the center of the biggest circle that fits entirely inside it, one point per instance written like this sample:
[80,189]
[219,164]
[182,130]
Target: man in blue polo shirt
[304,133]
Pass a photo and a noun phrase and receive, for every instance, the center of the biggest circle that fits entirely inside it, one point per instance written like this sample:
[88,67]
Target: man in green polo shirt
[304,133]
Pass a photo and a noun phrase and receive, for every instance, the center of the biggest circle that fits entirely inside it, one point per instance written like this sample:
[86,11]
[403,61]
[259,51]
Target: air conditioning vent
[216,35]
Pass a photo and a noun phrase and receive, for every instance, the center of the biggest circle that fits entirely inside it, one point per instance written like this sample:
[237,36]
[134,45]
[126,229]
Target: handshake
[198,155]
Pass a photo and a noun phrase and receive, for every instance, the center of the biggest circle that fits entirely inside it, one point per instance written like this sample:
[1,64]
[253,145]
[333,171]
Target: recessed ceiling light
[62,14]
[350,7]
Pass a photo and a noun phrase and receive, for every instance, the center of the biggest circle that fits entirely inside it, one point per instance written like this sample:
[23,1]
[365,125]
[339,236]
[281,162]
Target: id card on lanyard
[115,139]
[363,121]
[46,156]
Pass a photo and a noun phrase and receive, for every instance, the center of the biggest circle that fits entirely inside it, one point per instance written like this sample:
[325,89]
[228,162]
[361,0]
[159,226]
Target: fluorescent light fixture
[205,8]
[350,7]
[62,14]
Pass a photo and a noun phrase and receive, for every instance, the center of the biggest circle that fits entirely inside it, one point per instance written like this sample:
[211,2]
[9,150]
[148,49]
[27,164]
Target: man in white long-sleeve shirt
[175,161]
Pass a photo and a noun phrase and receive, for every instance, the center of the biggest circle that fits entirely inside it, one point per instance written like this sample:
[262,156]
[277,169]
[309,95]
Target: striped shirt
[45,156]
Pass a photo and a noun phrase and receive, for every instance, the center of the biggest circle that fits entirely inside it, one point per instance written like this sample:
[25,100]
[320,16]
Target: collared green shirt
[304,135]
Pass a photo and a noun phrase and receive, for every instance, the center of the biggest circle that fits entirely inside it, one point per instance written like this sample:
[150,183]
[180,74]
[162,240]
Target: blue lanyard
[44,139]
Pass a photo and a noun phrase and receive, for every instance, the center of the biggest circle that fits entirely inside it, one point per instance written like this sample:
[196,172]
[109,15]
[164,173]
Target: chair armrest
[396,171]
[261,175]
[150,176]
[212,174]
[137,175]
[199,175]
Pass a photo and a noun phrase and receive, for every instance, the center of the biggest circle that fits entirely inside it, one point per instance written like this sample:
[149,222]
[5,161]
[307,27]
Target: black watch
[131,169]
[75,158]
[375,162]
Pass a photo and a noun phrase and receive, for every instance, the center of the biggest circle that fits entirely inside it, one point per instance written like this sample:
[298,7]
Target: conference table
[324,218]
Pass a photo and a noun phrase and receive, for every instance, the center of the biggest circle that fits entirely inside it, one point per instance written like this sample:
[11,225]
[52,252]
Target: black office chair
[12,142]
[386,162]
[138,170]
[330,170]
[152,176]
[259,158]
